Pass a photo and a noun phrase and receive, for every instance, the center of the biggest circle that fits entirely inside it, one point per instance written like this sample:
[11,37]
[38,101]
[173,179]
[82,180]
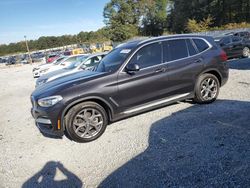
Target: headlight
[44,70]
[49,101]
[39,82]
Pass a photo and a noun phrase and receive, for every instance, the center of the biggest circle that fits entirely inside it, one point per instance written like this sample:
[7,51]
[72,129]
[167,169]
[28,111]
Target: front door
[146,84]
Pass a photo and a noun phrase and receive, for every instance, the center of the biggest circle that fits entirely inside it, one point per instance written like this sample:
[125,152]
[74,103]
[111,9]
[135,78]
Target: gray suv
[133,78]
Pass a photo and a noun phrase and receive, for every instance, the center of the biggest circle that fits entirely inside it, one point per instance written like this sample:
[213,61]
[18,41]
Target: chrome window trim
[122,68]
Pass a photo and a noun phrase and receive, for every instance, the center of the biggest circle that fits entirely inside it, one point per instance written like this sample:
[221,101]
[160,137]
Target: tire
[246,52]
[86,122]
[203,86]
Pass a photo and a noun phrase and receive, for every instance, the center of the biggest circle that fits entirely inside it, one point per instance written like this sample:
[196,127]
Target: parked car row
[134,77]
[70,65]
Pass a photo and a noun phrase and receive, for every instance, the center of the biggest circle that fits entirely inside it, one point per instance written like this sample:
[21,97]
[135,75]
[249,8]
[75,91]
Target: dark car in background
[242,34]
[133,78]
[11,60]
[234,46]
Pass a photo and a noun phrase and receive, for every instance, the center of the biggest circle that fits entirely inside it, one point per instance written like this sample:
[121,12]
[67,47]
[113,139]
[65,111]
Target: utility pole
[28,50]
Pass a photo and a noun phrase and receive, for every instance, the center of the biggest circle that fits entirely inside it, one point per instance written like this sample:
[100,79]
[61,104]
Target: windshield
[57,61]
[77,63]
[112,61]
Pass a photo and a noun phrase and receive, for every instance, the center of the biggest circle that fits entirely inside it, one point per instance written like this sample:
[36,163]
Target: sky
[36,18]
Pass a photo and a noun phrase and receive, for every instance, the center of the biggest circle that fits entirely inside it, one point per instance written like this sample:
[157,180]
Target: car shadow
[240,64]
[46,177]
[201,146]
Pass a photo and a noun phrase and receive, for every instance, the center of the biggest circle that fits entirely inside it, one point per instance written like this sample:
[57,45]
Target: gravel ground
[182,145]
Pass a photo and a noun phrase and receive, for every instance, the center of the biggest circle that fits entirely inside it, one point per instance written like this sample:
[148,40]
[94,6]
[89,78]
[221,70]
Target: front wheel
[206,89]
[86,122]
[246,52]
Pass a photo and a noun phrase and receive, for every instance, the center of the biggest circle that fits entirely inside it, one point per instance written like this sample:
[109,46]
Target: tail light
[223,56]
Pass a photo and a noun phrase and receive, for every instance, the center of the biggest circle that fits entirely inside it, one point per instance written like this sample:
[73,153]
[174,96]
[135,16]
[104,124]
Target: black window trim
[122,68]
[132,55]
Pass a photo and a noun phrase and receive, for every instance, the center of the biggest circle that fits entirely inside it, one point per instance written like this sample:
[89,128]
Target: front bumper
[48,120]
[224,74]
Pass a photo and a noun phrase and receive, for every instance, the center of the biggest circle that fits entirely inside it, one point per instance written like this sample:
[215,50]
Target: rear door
[182,64]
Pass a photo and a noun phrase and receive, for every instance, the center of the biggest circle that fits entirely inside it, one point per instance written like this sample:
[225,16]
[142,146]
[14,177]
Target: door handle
[160,70]
[198,60]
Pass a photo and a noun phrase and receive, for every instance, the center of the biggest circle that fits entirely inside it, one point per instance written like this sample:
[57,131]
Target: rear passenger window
[148,56]
[201,44]
[175,49]
[191,49]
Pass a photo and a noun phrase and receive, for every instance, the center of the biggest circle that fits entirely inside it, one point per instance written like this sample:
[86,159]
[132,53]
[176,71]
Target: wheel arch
[215,73]
[102,102]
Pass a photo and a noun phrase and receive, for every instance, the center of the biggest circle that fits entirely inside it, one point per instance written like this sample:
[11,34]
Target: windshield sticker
[125,51]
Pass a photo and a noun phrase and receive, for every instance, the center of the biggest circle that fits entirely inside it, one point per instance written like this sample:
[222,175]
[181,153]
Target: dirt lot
[183,144]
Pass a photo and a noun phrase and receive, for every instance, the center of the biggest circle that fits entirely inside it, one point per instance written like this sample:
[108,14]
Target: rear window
[201,44]
[175,49]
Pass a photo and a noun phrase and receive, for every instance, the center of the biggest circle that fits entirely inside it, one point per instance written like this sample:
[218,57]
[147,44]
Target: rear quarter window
[201,45]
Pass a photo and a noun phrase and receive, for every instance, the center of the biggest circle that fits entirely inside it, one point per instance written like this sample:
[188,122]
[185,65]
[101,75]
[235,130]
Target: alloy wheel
[209,89]
[246,52]
[88,123]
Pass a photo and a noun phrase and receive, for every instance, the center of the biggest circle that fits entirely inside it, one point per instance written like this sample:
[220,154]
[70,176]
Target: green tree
[154,17]
[204,25]
[223,12]
[121,17]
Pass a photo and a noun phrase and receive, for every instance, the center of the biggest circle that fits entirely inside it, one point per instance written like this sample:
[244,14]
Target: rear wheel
[206,89]
[86,122]
[246,52]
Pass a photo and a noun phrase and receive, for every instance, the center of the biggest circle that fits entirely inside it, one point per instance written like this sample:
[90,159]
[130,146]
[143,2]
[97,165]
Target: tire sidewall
[74,111]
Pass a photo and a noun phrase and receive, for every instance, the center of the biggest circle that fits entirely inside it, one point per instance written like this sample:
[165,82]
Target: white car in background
[88,62]
[36,70]
[60,64]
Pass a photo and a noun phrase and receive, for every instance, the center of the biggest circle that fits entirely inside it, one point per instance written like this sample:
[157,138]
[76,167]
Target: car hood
[43,66]
[52,74]
[63,72]
[53,86]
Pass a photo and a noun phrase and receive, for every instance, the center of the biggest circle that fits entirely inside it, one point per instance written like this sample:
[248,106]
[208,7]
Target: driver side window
[148,56]
[226,40]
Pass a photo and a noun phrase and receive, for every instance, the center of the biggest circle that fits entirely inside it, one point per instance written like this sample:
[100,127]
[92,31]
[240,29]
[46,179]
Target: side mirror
[132,68]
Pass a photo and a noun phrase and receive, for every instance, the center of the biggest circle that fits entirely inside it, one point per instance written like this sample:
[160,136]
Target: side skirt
[152,105]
